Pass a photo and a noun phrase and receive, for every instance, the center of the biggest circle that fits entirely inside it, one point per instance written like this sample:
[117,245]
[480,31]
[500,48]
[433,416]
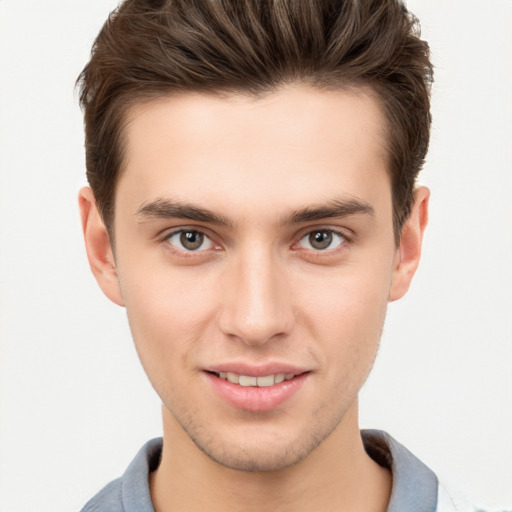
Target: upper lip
[253,370]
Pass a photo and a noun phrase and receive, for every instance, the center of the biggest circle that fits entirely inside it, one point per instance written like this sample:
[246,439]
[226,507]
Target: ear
[408,253]
[97,244]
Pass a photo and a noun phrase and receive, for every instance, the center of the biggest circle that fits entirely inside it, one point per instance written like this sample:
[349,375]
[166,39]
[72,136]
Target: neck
[337,475]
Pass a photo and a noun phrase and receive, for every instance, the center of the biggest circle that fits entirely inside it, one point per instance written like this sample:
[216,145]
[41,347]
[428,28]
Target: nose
[257,304]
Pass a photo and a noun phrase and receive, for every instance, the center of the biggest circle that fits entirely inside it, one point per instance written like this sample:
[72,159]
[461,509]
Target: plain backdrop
[75,406]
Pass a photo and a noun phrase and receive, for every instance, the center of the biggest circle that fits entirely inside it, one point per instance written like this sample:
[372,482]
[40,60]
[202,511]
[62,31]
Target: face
[254,253]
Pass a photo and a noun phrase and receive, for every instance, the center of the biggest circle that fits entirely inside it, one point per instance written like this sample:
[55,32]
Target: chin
[255,459]
[259,453]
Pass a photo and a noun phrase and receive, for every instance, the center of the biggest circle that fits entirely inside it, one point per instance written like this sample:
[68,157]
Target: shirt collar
[414,484]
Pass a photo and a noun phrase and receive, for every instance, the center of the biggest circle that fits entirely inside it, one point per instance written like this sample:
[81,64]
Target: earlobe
[97,244]
[409,251]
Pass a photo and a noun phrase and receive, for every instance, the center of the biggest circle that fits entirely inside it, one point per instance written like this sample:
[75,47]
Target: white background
[74,404]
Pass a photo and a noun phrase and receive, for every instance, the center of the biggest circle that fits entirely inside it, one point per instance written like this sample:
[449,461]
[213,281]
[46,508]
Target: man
[253,206]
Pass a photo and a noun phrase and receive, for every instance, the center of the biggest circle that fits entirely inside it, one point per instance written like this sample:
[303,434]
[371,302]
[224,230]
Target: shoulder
[415,486]
[130,493]
[109,499]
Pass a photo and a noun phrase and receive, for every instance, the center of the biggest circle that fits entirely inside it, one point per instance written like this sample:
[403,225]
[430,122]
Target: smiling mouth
[250,381]
[256,393]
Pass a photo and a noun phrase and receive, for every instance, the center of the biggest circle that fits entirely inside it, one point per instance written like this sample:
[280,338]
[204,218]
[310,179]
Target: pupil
[191,239]
[320,239]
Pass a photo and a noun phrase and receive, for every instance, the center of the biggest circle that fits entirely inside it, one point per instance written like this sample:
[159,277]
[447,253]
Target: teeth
[247,381]
[266,381]
[233,377]
[261,382]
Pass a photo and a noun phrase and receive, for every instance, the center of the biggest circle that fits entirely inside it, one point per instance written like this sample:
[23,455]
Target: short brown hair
[150,48]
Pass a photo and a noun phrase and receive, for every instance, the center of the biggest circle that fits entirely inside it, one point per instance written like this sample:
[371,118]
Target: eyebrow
[171,209]
[336,208]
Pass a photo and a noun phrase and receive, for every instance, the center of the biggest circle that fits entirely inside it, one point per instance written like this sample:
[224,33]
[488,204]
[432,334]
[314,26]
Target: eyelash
[344,239]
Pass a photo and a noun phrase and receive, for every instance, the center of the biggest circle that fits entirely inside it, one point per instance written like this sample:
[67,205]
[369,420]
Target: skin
[257,291]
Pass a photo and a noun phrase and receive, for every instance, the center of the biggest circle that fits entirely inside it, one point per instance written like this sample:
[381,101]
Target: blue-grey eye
[321,240]
[190,240]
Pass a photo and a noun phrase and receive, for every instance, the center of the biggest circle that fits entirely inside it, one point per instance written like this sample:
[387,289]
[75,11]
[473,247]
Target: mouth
[252,381]
[256,393]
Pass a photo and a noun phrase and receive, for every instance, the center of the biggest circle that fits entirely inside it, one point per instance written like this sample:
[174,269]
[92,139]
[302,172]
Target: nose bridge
[257,305]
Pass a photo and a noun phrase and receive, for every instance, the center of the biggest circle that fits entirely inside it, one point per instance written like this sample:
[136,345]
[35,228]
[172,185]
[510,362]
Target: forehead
[294,145]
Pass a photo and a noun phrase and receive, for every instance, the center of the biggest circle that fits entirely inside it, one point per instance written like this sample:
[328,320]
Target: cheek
[348,300]
[167,310]
[346,312]
[161,294]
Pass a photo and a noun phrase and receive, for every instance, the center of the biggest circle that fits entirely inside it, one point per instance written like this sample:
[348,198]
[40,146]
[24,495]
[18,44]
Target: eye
[321,240]
[190,240]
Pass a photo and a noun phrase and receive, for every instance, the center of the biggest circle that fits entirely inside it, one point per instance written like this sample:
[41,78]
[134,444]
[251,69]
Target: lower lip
[255,399]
